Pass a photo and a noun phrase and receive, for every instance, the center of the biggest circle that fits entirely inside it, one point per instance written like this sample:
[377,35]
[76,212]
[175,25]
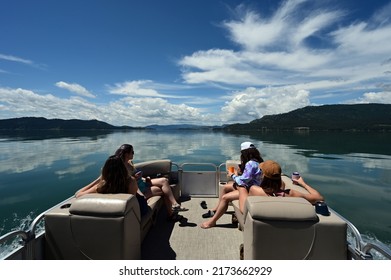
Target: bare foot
[207,225]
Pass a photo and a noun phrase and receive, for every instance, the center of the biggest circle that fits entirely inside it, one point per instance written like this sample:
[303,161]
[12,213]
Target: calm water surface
[352,171]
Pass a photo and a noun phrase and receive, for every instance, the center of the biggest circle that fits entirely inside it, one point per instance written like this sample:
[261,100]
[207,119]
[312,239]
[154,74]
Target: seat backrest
[95,226]
[289,228]
[155,168]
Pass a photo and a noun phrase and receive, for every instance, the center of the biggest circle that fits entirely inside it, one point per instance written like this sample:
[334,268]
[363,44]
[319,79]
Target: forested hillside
[374,117]
[31,123]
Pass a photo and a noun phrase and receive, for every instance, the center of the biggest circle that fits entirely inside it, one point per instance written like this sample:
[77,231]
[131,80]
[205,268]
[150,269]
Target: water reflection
[330,142]
[351,170]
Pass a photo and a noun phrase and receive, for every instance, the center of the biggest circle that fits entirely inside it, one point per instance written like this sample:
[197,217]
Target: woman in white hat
[248,175]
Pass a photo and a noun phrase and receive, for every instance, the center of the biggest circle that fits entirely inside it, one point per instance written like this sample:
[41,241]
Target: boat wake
[17,224]
[369,239]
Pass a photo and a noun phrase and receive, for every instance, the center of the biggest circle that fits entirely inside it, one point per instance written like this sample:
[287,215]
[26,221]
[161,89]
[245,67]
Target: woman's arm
[313,196]
[248,173]
[90,188]
[133,187]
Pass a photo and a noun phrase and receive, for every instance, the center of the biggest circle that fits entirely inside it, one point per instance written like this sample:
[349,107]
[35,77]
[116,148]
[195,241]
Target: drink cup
[295,176]
[231,169]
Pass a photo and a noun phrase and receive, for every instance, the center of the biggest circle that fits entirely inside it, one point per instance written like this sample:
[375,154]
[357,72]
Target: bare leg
[221,208]
[257,190]
[168,205]
[165,187]
[229,187]
[161,187]
[156,191]
[243,194]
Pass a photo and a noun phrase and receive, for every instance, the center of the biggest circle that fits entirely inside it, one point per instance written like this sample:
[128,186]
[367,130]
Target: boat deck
[186,240]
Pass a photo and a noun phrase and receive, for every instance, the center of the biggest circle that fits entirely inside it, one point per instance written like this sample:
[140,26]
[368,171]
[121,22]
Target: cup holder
[65,206]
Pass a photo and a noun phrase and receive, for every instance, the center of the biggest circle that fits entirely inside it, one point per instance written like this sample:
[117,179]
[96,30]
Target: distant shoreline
[357,117]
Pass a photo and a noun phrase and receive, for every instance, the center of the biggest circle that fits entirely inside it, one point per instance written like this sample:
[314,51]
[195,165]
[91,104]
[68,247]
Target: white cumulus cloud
[253,103]
[75,88]
[303,45]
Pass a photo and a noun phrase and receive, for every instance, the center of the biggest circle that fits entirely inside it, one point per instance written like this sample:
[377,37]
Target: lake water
[352,170]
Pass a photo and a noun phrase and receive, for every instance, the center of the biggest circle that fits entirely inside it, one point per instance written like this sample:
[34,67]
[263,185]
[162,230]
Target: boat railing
[18,239]
[364,250]
[25,247]
[14,234]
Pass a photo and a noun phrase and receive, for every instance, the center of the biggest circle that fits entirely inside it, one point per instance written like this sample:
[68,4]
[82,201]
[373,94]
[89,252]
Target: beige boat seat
[105,226]
[288,228]
[96,226]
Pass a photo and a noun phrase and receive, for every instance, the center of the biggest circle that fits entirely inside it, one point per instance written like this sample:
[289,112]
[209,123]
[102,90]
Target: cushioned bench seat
[289,228]
[103,226]
[98,226]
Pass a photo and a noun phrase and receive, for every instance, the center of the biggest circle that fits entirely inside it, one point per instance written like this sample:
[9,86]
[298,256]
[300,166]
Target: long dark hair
[271,186]
[114,177]
[124,149]
[249,154]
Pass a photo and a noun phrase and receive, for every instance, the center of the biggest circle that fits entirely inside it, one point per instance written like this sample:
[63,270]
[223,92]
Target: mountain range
[32,123]
[357,117]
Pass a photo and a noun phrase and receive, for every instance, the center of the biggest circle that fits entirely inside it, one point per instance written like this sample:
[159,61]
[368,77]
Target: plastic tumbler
[295,175]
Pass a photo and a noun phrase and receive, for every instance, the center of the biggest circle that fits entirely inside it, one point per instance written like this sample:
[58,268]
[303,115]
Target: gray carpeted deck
[186,240]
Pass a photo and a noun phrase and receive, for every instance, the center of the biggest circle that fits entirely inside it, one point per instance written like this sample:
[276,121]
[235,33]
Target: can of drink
[295,176]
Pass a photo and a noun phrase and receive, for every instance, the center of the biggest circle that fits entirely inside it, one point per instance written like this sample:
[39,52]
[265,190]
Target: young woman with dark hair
[250,175]
[114,179]
[151,187]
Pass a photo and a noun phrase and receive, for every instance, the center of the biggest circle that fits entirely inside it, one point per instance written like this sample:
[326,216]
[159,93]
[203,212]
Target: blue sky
[197,61]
